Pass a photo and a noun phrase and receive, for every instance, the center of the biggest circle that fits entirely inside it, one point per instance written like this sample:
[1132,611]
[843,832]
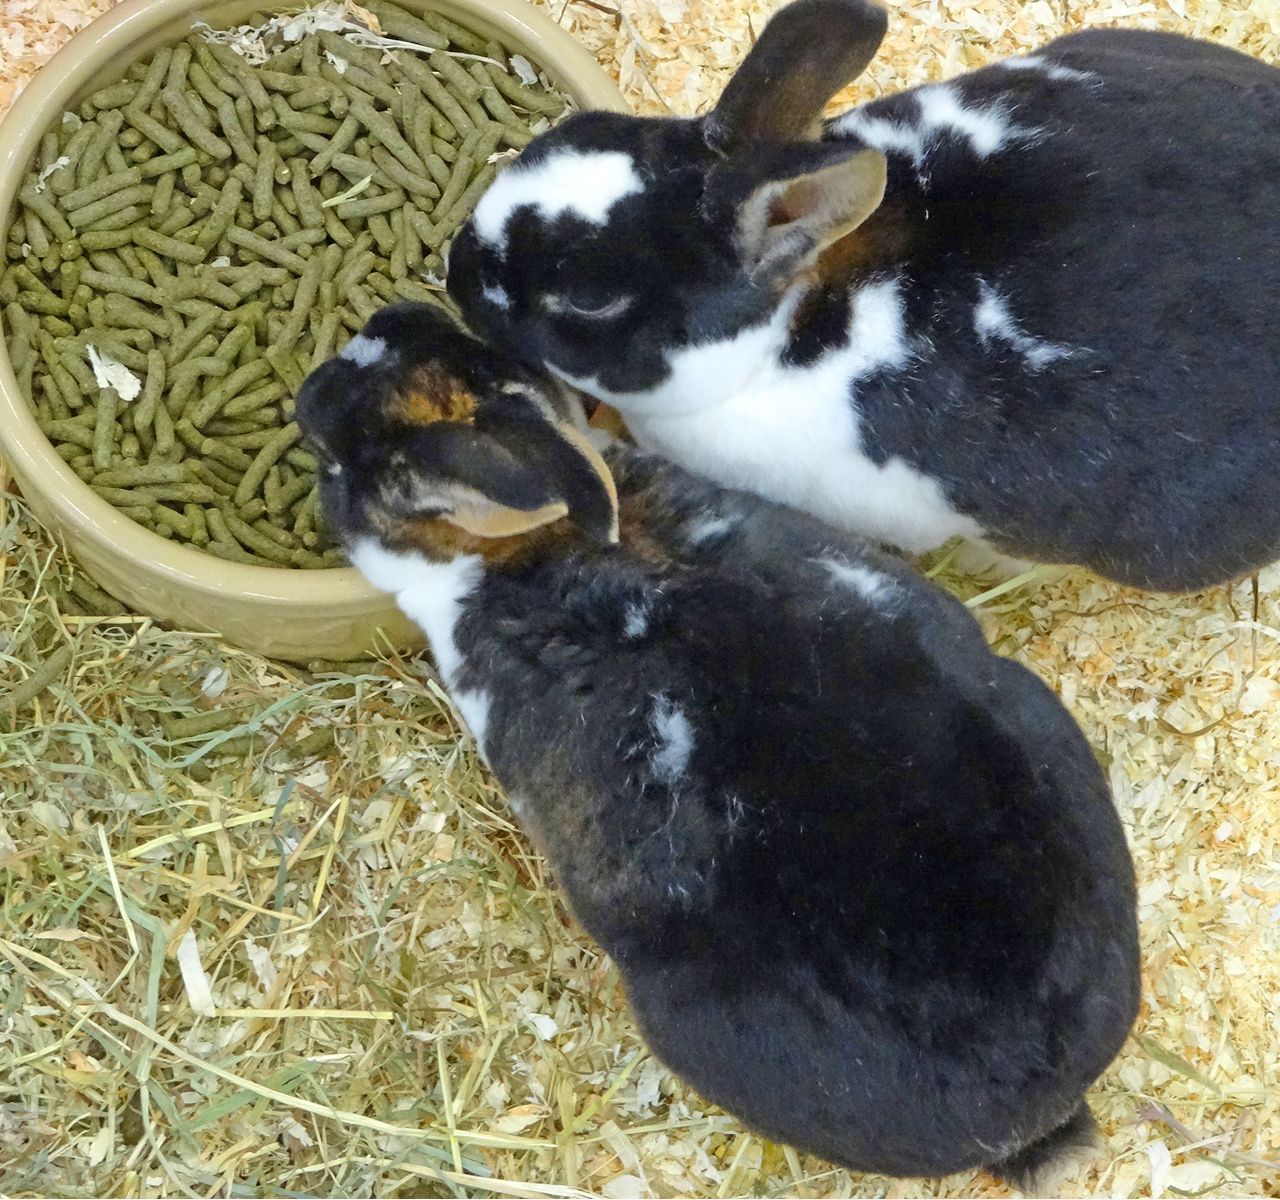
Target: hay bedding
[309,954]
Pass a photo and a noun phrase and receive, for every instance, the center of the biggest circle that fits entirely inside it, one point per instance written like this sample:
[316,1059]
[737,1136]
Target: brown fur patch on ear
[804,55]
[610,420]
[881,241]
[432,394]
[802,93]
[641,517]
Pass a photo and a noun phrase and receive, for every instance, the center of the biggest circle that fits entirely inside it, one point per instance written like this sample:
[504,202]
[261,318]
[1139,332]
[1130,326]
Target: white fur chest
[793,435]
[432,595]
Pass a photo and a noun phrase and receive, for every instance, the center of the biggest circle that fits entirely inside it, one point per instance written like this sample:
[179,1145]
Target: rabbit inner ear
[785,224]
[487,518]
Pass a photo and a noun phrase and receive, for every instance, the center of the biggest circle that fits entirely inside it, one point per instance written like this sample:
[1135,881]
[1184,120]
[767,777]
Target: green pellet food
[201,234]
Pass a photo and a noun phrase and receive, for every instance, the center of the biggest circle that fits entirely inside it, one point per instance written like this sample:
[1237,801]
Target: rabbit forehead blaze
[584,183]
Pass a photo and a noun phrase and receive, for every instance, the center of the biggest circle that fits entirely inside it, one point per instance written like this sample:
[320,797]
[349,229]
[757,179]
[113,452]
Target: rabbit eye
[588,311]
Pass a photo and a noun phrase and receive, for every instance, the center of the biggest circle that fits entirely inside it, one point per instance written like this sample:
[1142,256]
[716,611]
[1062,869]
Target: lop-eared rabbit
[863,879]
[1035,306]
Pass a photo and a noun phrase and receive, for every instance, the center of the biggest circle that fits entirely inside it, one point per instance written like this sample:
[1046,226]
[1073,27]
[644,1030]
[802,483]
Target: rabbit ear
[791,204]
[597,507]
[454,473]
[539,472]
[805,55]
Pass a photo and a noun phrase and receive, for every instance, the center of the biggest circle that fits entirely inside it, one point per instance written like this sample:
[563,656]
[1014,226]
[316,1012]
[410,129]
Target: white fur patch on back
[875,587]
[674,737]
[941,111]
[635,620]
[1037,62]
[709,526]
[587,185]
[794,435]
[885,135]
[993,322]
[496,296]
[987,129]
[364,351]
[431,595]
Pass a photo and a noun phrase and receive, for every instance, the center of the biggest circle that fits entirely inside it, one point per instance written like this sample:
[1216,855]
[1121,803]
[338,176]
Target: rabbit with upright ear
[1034,306]
[862,878]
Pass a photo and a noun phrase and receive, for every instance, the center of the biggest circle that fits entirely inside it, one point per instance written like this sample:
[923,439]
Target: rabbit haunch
[1071,360]
[766,762]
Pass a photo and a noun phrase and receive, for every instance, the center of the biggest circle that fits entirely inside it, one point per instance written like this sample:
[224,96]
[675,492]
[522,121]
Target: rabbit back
[851,866]
[1099,282]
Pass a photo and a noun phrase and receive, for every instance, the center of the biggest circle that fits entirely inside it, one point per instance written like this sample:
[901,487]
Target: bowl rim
[29,453]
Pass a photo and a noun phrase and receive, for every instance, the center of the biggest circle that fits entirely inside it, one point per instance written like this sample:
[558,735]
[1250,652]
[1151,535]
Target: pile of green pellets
[195,239]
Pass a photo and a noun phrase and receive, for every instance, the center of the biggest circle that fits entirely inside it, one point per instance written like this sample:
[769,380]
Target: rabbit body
[862,878]
[1055,333]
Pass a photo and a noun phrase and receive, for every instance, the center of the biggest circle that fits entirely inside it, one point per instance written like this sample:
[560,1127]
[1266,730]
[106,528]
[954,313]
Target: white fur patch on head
[600,440]
[1037,62]
[587,185]
[993,322]
[674,737]
[875,587]
[364,351]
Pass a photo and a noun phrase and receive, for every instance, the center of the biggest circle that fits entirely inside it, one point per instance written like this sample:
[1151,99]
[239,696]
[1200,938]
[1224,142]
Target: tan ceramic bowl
[291,614]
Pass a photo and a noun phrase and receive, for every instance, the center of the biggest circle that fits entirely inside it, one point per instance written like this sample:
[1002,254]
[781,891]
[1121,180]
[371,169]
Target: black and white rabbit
[863,879]
[1035,306]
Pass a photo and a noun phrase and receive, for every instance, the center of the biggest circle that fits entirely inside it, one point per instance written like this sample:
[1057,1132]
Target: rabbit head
[649,261]
[430,441]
